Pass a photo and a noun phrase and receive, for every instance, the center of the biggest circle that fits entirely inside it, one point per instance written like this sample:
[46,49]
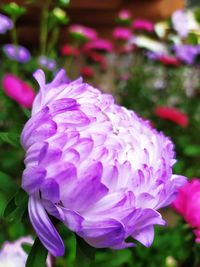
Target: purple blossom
[5,24]
[180,23]
[95,166]
[18,53]
[48,63]
[186,53]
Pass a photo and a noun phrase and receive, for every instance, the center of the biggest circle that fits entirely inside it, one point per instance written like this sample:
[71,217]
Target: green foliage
[37,256]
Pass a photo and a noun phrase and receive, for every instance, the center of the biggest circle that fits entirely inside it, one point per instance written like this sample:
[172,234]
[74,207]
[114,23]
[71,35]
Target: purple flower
[5,24]
[186,53]
[17,53]
[180,23]
[95,166]
[48,63]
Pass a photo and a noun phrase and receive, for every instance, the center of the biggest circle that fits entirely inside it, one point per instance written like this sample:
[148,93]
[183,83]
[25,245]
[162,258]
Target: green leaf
[11,206]
[37,256]
[7,184]
[192,150]
[85,254]
[13,10]
[17,206]
[21,197]
[10,138]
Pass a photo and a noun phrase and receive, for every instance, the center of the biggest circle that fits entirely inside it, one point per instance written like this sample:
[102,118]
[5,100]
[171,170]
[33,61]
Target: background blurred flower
[5,24]
[82,32]
[18,53]
[99,44]
[87,72]
[186,53]
[13,255]
[180,23]
[187,204]
[69,50]
[172,114]
[169,60]
[124,16]
[143,25]
[18,90]
[47,63]
[95,166]
[122,33]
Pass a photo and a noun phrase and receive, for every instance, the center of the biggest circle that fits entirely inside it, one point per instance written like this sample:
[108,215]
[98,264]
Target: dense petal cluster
[94,165]
[187,204]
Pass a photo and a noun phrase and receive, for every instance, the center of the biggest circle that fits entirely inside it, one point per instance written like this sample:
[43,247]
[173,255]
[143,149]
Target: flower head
[95,166]
[17,53]
[18,90]
[99,45]
[87,72]
[180,23]
[82,32]
[5,24]
[143,25]
[186,53]
[172,114]
[124,16]
[122,33]
[12,253]
[169,60]
[47,63]
[187,204]
[68,50]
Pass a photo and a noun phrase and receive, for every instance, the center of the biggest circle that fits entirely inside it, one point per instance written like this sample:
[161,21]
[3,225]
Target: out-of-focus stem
[44,27]
[15,42]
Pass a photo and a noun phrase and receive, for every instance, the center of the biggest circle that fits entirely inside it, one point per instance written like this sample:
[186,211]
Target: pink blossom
[99,44]
[83,31]
[122,33]
[187,204]
[18,90]
[144,25]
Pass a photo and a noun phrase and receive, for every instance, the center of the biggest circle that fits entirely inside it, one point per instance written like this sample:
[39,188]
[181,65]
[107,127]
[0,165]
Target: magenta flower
[5,24]
[122,33]
[17,53]
[18,90]
[12,254]
[187,204]
[95,166]
[143,25]
[180,23]
[83,32]
[124,14]
[99,44]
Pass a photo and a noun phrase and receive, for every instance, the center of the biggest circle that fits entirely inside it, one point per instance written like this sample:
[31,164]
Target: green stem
[53,40]
[44,28]
[15,42]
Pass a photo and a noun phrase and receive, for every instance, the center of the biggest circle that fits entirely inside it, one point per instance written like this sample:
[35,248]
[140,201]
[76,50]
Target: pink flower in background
[143,25]
[99,44]
[18,90]
[172,114]
[122,33]
[83,32]
[124,14]
[68,50]
[187,204]
[87,72]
